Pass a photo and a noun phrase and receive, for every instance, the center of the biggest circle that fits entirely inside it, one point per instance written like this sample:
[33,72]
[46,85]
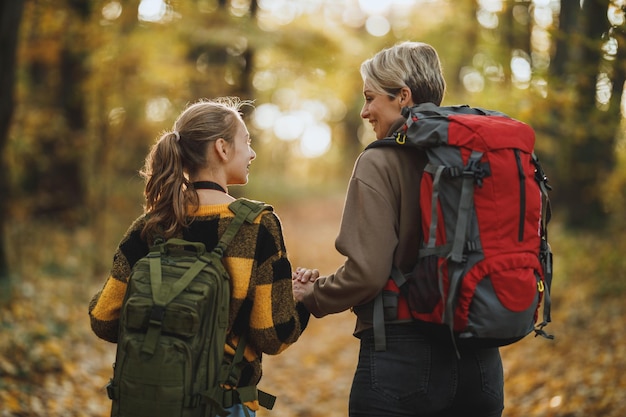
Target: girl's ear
[221,149]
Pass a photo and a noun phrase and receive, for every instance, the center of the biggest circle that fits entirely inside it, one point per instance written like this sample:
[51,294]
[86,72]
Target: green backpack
[170,350]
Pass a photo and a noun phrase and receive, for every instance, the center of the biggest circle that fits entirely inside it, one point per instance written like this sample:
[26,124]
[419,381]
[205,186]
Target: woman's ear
[222,149]
[406,98]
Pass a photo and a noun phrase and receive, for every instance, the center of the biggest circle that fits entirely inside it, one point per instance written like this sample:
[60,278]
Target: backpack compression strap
[378,312]
[545,255]
[229,378]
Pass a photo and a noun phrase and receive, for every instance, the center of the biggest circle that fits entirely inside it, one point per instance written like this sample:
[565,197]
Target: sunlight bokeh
[377,25]
[373,7]
[112,10]
[315,140]
[378,17]
[521,69]
[307,126]
[158,109]
[151,10]
[290,126]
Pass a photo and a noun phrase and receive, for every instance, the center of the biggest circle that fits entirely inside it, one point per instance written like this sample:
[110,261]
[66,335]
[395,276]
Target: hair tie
[177,135]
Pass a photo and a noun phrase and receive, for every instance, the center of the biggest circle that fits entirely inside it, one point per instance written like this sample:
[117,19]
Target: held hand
[301,289]
[305,275]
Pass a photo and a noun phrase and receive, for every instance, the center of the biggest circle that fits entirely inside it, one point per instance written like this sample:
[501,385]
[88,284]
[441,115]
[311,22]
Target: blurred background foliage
[93,83]
[87,86]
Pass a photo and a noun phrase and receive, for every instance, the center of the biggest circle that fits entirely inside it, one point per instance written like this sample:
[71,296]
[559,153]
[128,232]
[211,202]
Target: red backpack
[485,265]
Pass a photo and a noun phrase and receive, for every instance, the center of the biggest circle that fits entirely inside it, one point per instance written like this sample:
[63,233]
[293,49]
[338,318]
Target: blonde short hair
[414,65]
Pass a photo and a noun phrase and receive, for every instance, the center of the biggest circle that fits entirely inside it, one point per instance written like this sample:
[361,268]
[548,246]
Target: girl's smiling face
[238,167]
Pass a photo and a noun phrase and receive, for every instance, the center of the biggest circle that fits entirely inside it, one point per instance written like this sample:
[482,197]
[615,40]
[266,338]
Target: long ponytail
[166,191]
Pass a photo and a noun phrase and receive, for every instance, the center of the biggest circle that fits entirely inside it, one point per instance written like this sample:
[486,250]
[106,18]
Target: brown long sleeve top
[380,227]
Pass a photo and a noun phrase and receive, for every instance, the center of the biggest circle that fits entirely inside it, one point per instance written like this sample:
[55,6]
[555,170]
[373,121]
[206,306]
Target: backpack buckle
[400,138]
[477,170]
[157,314]
[111,391]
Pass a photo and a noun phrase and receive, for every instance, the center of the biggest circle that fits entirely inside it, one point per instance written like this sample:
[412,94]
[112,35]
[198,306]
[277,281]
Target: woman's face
[238,167]
[380,110]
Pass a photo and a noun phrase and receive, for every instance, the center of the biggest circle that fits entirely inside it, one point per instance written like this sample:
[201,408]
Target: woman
[187,175]
[419,373]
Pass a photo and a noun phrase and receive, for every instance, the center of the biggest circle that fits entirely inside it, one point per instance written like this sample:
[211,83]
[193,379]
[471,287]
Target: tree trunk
[468,32]
[10,18]
[53,185]
[592,142]
[516,33]
[585,132]
[247,70]
[568,25]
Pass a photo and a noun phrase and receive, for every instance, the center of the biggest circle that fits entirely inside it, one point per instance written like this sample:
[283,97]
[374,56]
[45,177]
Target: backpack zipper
[522,194]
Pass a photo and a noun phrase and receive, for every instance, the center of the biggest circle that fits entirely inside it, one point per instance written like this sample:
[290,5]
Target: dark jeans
[421,376]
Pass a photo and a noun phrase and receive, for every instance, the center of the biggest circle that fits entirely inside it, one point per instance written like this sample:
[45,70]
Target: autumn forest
[87,86]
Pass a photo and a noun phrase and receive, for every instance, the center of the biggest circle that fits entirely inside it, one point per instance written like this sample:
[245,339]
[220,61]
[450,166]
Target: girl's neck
[208,185]
[211,192]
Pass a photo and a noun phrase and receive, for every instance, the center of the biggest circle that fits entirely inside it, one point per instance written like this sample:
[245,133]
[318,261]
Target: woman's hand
[301,289]
[302,282]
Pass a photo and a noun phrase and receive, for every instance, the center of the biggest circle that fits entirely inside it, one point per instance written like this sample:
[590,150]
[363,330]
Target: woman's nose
[364,112]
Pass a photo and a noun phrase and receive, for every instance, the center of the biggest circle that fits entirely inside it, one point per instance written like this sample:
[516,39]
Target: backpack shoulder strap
[252,208]
[245,210]
[395,140]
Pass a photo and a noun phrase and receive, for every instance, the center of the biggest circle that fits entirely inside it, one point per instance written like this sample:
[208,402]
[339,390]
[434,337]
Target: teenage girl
[187,173]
